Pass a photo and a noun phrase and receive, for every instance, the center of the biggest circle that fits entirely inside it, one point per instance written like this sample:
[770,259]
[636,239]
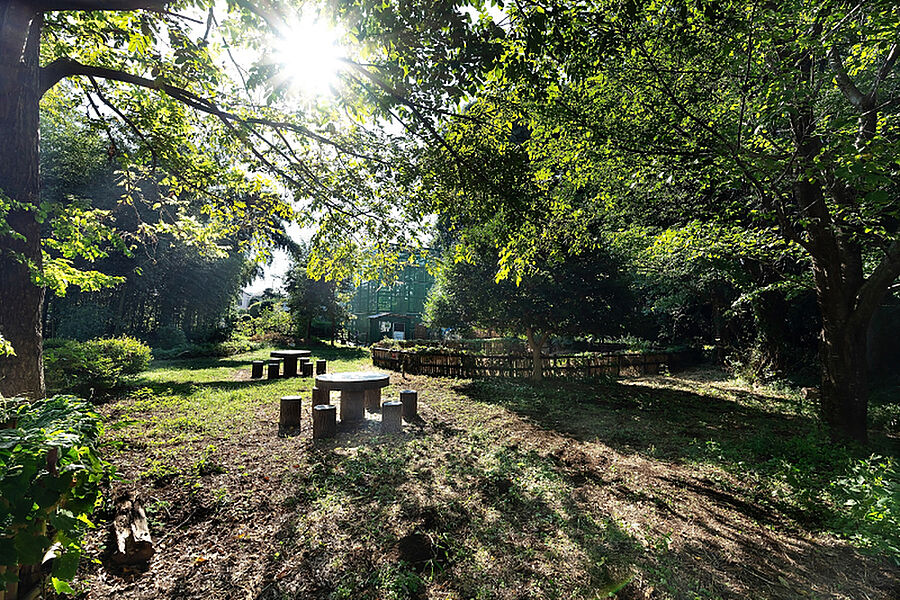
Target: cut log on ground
[320,367]
[410,401]
[324,421]
[390,417]
[132,544]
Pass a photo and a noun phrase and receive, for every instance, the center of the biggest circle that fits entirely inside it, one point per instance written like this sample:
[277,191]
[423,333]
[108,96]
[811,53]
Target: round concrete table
[290,359]
[355,387]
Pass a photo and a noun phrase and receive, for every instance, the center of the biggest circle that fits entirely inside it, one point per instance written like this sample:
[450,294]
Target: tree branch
[105,5]
[886,67]
[876,285]
[846,85]
[61,68]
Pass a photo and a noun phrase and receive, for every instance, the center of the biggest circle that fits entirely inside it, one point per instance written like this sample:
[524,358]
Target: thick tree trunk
[846,311]
[21,301]
[842,347]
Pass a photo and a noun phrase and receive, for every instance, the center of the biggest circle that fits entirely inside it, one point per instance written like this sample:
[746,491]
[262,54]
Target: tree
[788,109]
[311,299]
[153,77]
[562,294]
[795,104]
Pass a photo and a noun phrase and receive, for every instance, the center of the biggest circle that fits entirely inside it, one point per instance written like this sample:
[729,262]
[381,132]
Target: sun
[310,54]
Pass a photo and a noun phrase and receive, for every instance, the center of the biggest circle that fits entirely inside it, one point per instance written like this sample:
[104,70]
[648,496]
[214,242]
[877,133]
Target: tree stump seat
[256,369]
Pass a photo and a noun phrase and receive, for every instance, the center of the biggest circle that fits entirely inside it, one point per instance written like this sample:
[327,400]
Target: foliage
[100,365]
[272,322]
[163,280]
[869,495]
[50,475]
[574,294]
[310,299]
[6,348]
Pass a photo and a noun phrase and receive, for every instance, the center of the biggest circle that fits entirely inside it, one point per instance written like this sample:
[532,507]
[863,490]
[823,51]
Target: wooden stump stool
[256,369]
[320,367]
[373,400]
[289,418]
[390,417]
[320,396]
[324,421]
[410,400]
[307,369]
[274,365]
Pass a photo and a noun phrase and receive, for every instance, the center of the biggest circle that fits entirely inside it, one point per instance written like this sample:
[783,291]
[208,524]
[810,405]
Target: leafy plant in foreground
[50,475]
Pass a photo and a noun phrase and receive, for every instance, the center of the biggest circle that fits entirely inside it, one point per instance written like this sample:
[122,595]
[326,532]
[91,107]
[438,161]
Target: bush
[168,337]
[268,324]
[101,365]
[869,496]
[50,476]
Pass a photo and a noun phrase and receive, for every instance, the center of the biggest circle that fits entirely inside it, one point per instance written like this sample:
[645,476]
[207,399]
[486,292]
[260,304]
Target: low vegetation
[50,475]
[694,486]
[94,367]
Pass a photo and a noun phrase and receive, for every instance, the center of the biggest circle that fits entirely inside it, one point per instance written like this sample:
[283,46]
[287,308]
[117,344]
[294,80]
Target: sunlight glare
[310,54]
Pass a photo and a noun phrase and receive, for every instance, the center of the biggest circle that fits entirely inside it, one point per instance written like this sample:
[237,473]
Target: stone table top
[353,381]
[290,353]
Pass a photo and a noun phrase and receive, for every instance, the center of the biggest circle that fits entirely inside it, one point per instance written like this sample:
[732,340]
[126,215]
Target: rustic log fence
[451,364]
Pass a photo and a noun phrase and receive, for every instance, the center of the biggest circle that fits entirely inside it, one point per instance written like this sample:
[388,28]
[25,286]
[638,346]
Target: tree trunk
[21,301]
[842,347]
[535,344]
[846,309]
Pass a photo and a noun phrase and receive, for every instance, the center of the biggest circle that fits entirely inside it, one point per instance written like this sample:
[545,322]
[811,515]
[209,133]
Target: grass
[665,487]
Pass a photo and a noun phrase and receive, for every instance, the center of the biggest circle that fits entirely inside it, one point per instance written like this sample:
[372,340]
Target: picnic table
[290,359]
[354,386]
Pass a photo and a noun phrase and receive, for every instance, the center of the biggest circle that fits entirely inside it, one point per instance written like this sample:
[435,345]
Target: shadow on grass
[759,436]
[211,362]
[402,514]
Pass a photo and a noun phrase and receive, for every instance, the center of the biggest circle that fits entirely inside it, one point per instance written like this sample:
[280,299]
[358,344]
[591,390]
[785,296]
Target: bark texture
[21,301]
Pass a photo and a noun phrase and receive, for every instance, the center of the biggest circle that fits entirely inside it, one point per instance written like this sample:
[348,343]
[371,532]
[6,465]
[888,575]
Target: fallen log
[132,544]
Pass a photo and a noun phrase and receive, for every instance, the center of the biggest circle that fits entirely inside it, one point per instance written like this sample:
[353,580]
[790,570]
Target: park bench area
[497,484]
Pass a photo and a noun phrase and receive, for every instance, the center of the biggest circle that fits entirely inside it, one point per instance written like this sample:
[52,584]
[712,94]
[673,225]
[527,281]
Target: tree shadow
[754,436]
[426,510]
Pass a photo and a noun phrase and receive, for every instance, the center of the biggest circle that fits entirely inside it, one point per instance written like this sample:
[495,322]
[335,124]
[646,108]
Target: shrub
[50,476]
[101,364]
[869,496]
[168,337]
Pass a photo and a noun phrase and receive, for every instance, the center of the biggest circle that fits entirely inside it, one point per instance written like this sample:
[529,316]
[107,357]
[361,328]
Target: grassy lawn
[668,487]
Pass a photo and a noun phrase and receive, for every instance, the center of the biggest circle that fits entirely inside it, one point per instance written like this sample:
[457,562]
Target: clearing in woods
[662,487]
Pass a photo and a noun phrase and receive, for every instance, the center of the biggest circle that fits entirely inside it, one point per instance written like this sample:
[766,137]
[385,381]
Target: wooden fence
[504,365]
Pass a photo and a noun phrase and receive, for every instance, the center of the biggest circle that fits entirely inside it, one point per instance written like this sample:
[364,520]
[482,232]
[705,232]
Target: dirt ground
[585,496]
